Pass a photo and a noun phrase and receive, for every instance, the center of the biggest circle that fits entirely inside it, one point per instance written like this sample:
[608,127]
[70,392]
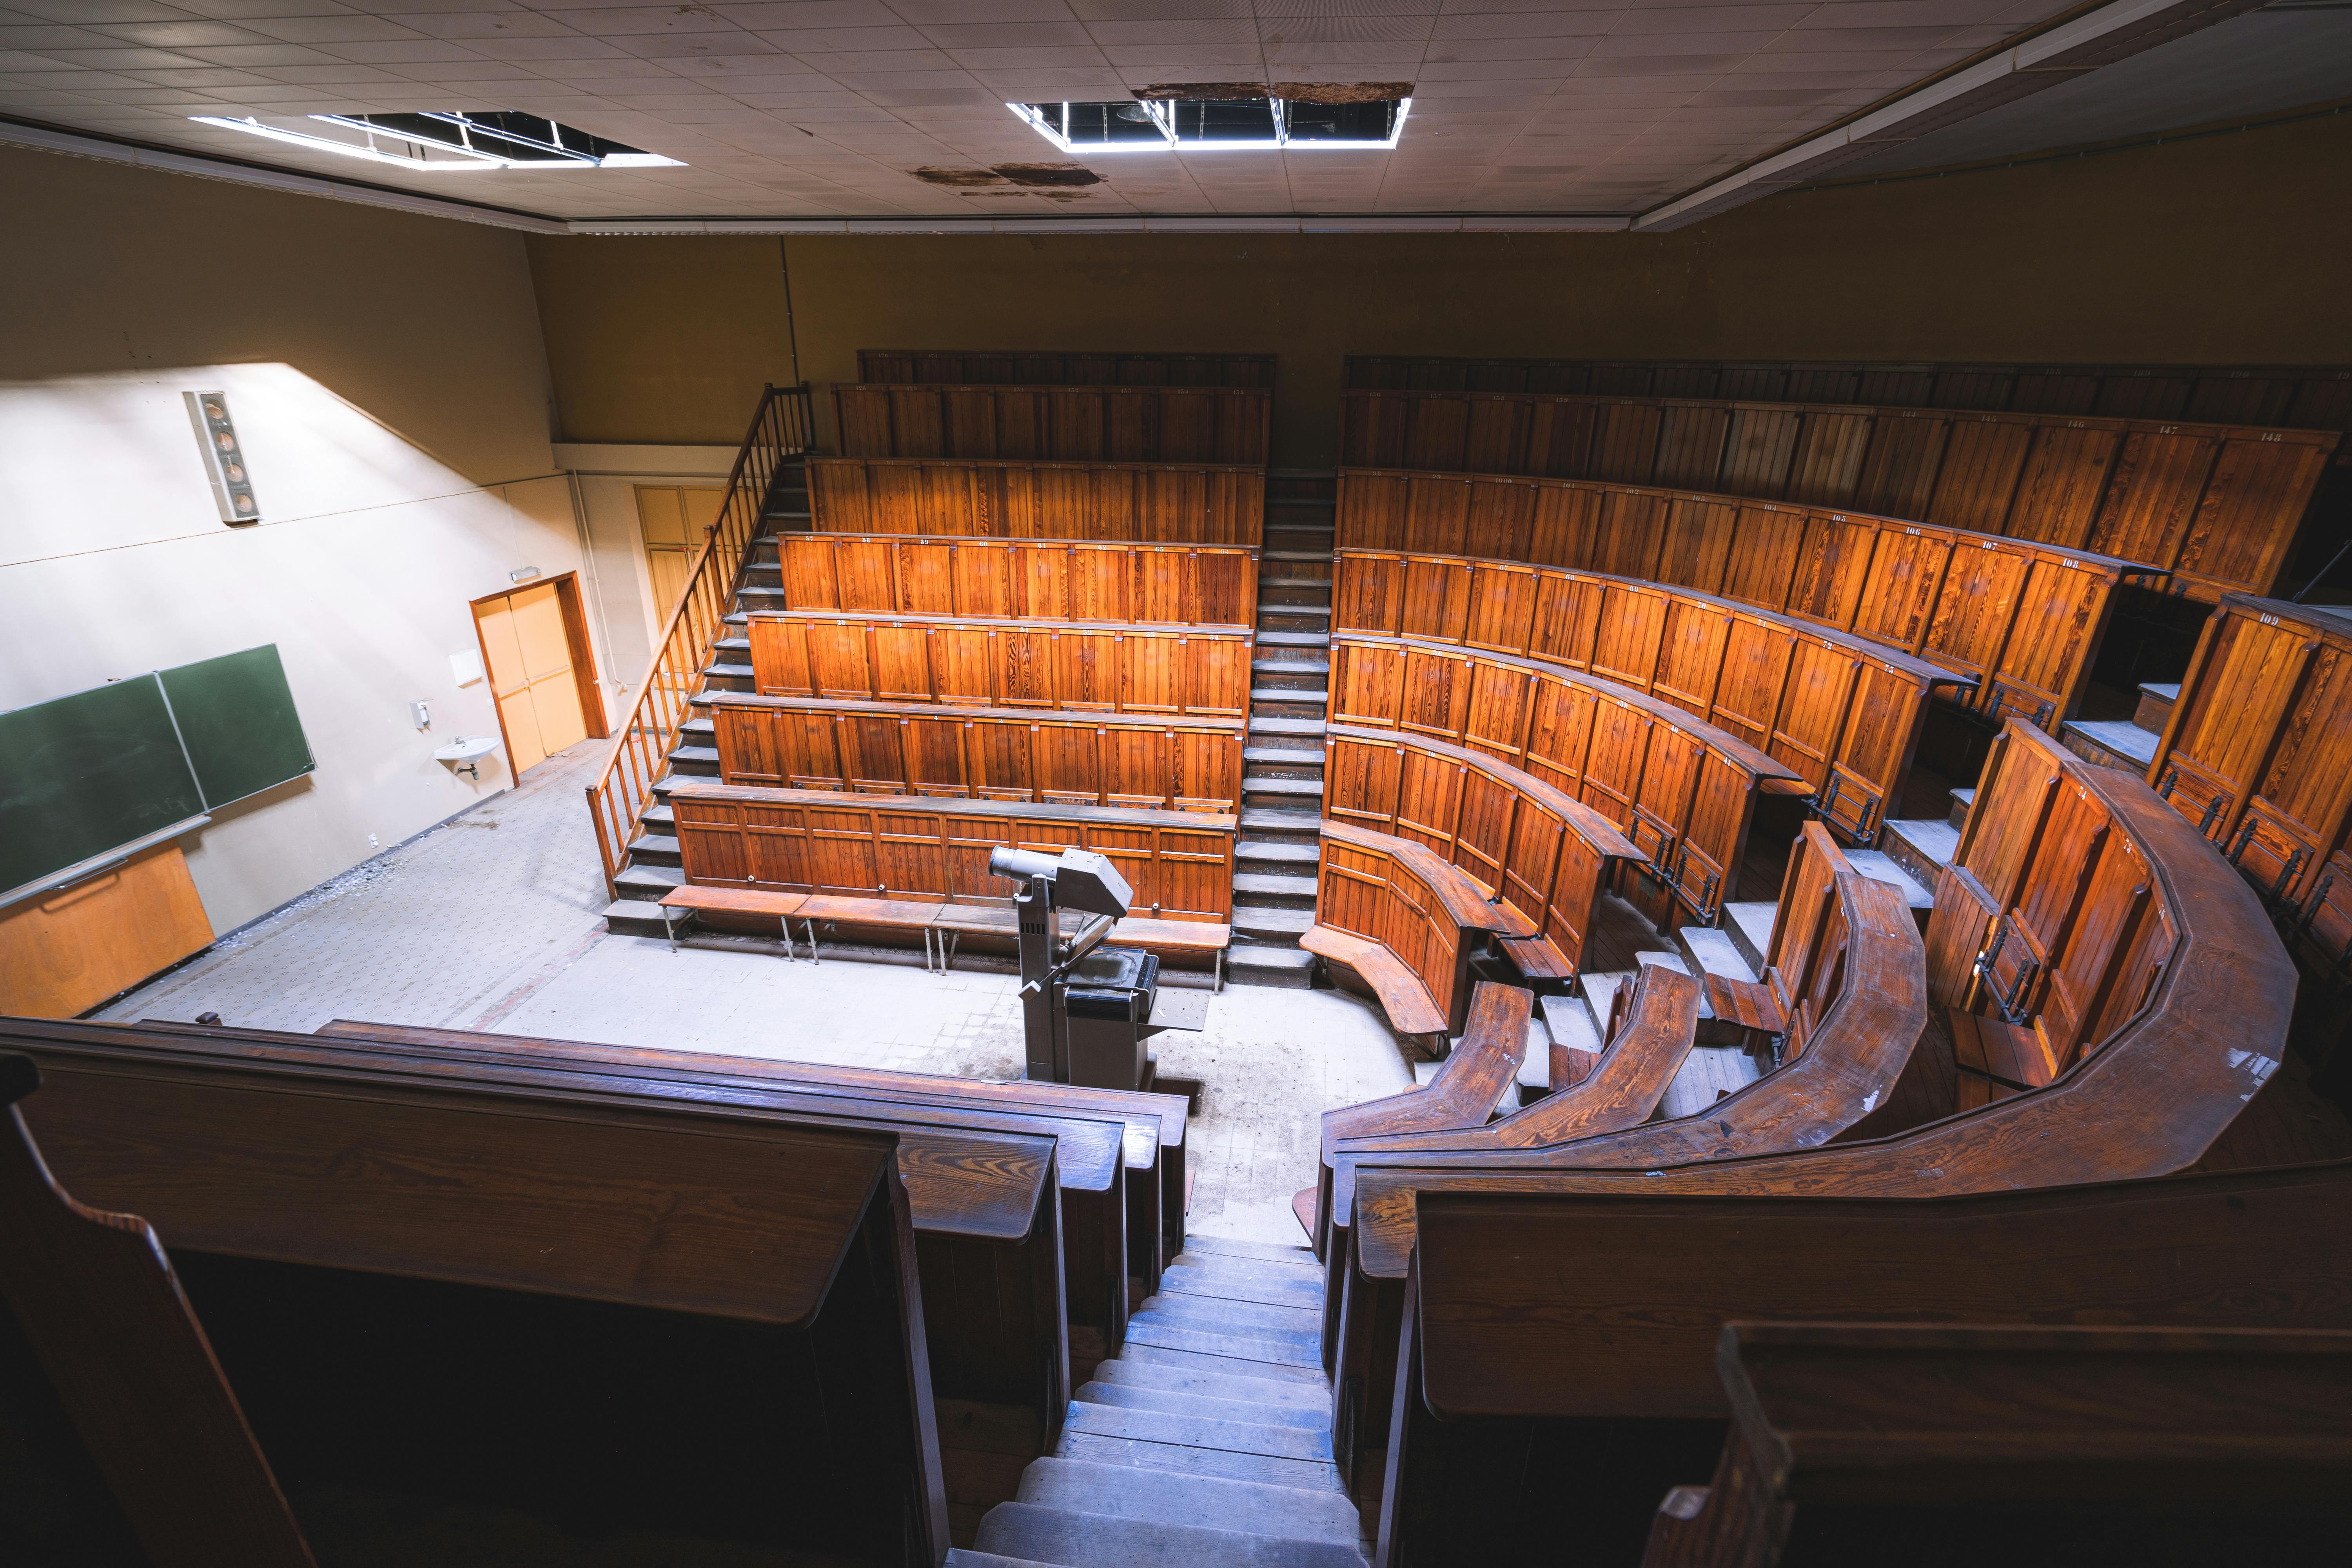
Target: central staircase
[1282,757]
[1206,1443]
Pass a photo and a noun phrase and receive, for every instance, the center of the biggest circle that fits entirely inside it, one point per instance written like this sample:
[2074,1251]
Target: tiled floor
[494,922]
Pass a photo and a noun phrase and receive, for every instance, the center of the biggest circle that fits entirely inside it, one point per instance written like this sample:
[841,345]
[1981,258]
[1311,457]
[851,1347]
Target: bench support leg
[1219,989]
[810,926]
[669,928]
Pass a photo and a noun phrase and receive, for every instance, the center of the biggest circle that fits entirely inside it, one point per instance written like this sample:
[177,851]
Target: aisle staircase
[1206,1443]
[1290,694]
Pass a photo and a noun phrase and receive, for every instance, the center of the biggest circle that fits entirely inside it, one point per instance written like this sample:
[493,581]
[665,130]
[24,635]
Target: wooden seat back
[1679,789]
[2304,397]
[1179,501]
[1548,1322]
[1221,424]
[1179,864]
[2181,1447]
[1027,366]
[2215,505]
[1399,895]
[95,1313]
[1537,850]
[1012,754]
[2258,751]
[1083,665]
[1020,579]
[482,1235]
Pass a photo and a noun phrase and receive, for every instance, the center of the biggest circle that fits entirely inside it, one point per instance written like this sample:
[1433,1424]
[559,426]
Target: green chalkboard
[85,774]
[236,719]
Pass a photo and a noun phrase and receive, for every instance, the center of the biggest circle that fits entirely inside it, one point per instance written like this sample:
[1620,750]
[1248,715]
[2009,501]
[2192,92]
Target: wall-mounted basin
[462,749]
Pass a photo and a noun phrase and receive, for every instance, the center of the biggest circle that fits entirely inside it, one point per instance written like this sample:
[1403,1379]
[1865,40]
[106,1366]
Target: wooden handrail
[781,431]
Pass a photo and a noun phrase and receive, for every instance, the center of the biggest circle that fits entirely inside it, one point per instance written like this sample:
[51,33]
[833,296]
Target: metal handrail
[781,433]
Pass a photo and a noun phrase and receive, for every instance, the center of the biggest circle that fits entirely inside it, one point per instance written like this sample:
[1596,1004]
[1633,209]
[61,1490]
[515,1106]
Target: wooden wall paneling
[935,750]
[1560,437]
[1495,435]
[1367,683]
[1429,799]
[985,580]
[1662,807]
[1496,715]
[1827,465]
[1360,781]
[1482,832]
[1760,450]
[1613,758]
[1501,613]
[1904,581]
[1434,601]
[1437,512]
[1559,734]
[1697,546]
[1886,712]
[1757,655]
[2062,482]
[2233,542]
[2152,493]
[1713,842]
[1629,533]
[1814,709]
[2297,813]
[1691,643]
[1976,609]
[1207,767]
[1632,628]
[1563,525]
[2143,392]
[1833,568]
[1898,472]
[2041,910]
[2084,971]
[1435,693]
[1437,434]
[1897,384]
[2045,658]
[1691,440]
[1977,478]
[899,661]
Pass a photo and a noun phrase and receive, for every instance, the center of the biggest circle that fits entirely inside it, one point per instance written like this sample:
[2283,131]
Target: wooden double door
[542,670]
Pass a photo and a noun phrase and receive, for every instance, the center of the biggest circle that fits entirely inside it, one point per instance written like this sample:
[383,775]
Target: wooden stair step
[1101,1541]
[1225,1366]
[1312,1396]
[1155,1330]
[1240,1317]
[1252,1507]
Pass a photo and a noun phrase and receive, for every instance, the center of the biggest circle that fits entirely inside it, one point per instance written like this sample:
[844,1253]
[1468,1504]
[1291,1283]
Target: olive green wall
[2219,250]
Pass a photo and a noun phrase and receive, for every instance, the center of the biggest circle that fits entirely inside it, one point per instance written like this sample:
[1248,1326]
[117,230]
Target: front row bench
[891,868]
[1406,923]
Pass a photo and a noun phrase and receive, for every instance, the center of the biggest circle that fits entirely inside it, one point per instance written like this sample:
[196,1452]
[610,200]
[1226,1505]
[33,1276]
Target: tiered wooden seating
[121,1432]
[894,575]
[1403,920]
[1468,1086]
[1101,500]
[452,1302]
[2020,621]
[755,856]
[1027,366]
[1056,424]
[1536,851]
[1852,1444]
[1560,1354]
[2215,506]
[2258,754]
[2307,398]
[985,754]
[1681,791]
[1851,961]
[1068,664]
[1148,1128]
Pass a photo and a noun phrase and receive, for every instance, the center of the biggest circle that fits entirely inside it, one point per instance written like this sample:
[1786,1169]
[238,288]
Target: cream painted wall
[388,381]
[605,480]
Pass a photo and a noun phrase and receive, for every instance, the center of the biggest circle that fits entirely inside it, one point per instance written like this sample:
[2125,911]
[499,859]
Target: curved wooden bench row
[2258,754]
[2304,397]
[1067,665]
[1468,1085]
[2214,505]
[909,493]
[1027,366]
[1681,790]
[352,1234]
[2022,620]
[901,574]
[1056,424]
[1534,849]
[1593,1321]
[1401,918]
[1179,864]
[1843,714]
[984,753]
[1851,961]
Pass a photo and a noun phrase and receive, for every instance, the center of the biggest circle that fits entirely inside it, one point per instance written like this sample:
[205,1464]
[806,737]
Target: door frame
[574,612]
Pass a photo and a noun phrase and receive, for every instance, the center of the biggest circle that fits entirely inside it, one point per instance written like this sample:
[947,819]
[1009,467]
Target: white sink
[462,749]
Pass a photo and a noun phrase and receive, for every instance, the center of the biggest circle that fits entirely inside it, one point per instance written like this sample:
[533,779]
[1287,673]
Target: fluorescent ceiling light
[448,142]
[1211,125]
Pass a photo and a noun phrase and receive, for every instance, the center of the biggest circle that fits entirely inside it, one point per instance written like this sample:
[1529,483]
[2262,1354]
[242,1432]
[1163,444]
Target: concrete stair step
[1880,867]
[1262,849]
[654,849]
[1283,757]
[1306,695]
[701,759]
[1923,847]
[696,731]
[1567,1022]
[2110,742]
[1318,611]
[1227,1366]
[1259,918]
[1259,783]
[1128,1396]
[959,1558]
[633,917]
[658,818]
[1286,727]
[1288,967]
[1749,927]
[1265,555]
[1712,952]
[1270,885]
[1302,1475]
[1251,1507]
[1961,800]
[1263,1251]
[2157,698]
[1101,1541]
[1199,1431]
[1224,1315]
[1284,818]
[1291,667]
[1215,1385]
[1267,582]
[1293,640]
